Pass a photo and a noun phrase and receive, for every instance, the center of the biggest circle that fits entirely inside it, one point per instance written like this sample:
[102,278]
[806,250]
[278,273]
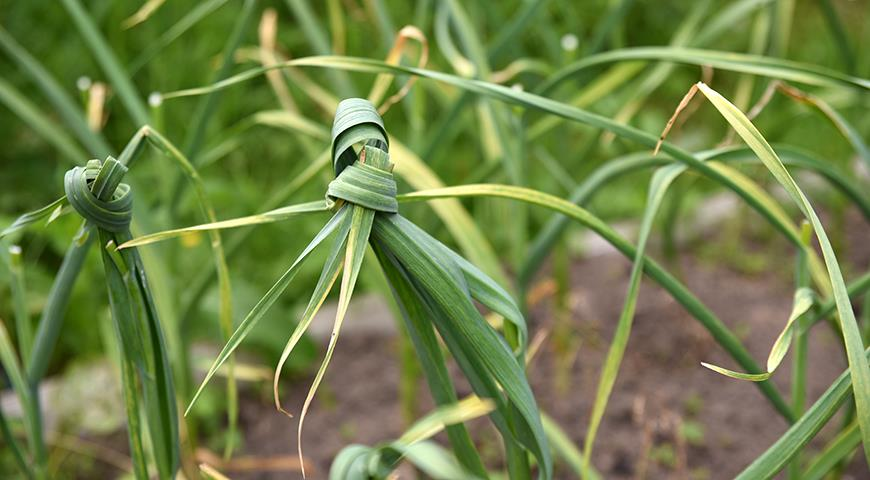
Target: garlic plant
[96,193]
[434,286]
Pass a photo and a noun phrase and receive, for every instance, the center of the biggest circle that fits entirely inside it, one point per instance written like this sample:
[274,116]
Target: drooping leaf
[357,239]
[803,301]
[860,370]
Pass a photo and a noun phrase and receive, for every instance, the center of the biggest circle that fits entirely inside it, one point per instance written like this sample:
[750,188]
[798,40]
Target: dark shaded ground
[662,388]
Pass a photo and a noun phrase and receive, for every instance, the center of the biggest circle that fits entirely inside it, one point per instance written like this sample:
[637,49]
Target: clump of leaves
[434,286]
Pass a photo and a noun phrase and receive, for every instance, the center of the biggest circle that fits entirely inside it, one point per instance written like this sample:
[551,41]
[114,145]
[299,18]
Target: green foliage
[526,101]
[432,284]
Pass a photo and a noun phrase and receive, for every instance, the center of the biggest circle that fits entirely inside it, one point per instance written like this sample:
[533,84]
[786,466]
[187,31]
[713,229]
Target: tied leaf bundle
[434,286]
[96,193]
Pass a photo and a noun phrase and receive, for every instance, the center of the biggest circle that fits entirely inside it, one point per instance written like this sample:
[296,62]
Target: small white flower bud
[155,99]
[83,83]
[570,42]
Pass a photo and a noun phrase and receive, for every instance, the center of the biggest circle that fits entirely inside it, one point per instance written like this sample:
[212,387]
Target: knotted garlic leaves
[96,193]
[434,286]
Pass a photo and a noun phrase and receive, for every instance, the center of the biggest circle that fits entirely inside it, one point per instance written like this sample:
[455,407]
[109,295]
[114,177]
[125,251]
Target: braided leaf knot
[366,185]
[364,179]
[95,191]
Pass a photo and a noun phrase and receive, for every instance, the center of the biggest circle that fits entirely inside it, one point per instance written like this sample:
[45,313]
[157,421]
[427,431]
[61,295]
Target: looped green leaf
[95,191]
[356,121]
[366,185]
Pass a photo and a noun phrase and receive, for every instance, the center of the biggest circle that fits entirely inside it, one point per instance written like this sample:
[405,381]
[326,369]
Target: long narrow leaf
[657,189]
[520,98]
[23,325]
[275,215]
[52,210]
[858,367]
[417,321]
[263,306]
[66,108]
[197,13]
[618,167]
[399,236]
[13,446]
[331,269]
[40,123]
[736,62]
[834,452]
[775,458]
[357,239]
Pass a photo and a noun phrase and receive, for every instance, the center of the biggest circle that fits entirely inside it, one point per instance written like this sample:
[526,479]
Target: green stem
[49,328]
[13,446]
[799,366]
[56,304]
[23,327]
